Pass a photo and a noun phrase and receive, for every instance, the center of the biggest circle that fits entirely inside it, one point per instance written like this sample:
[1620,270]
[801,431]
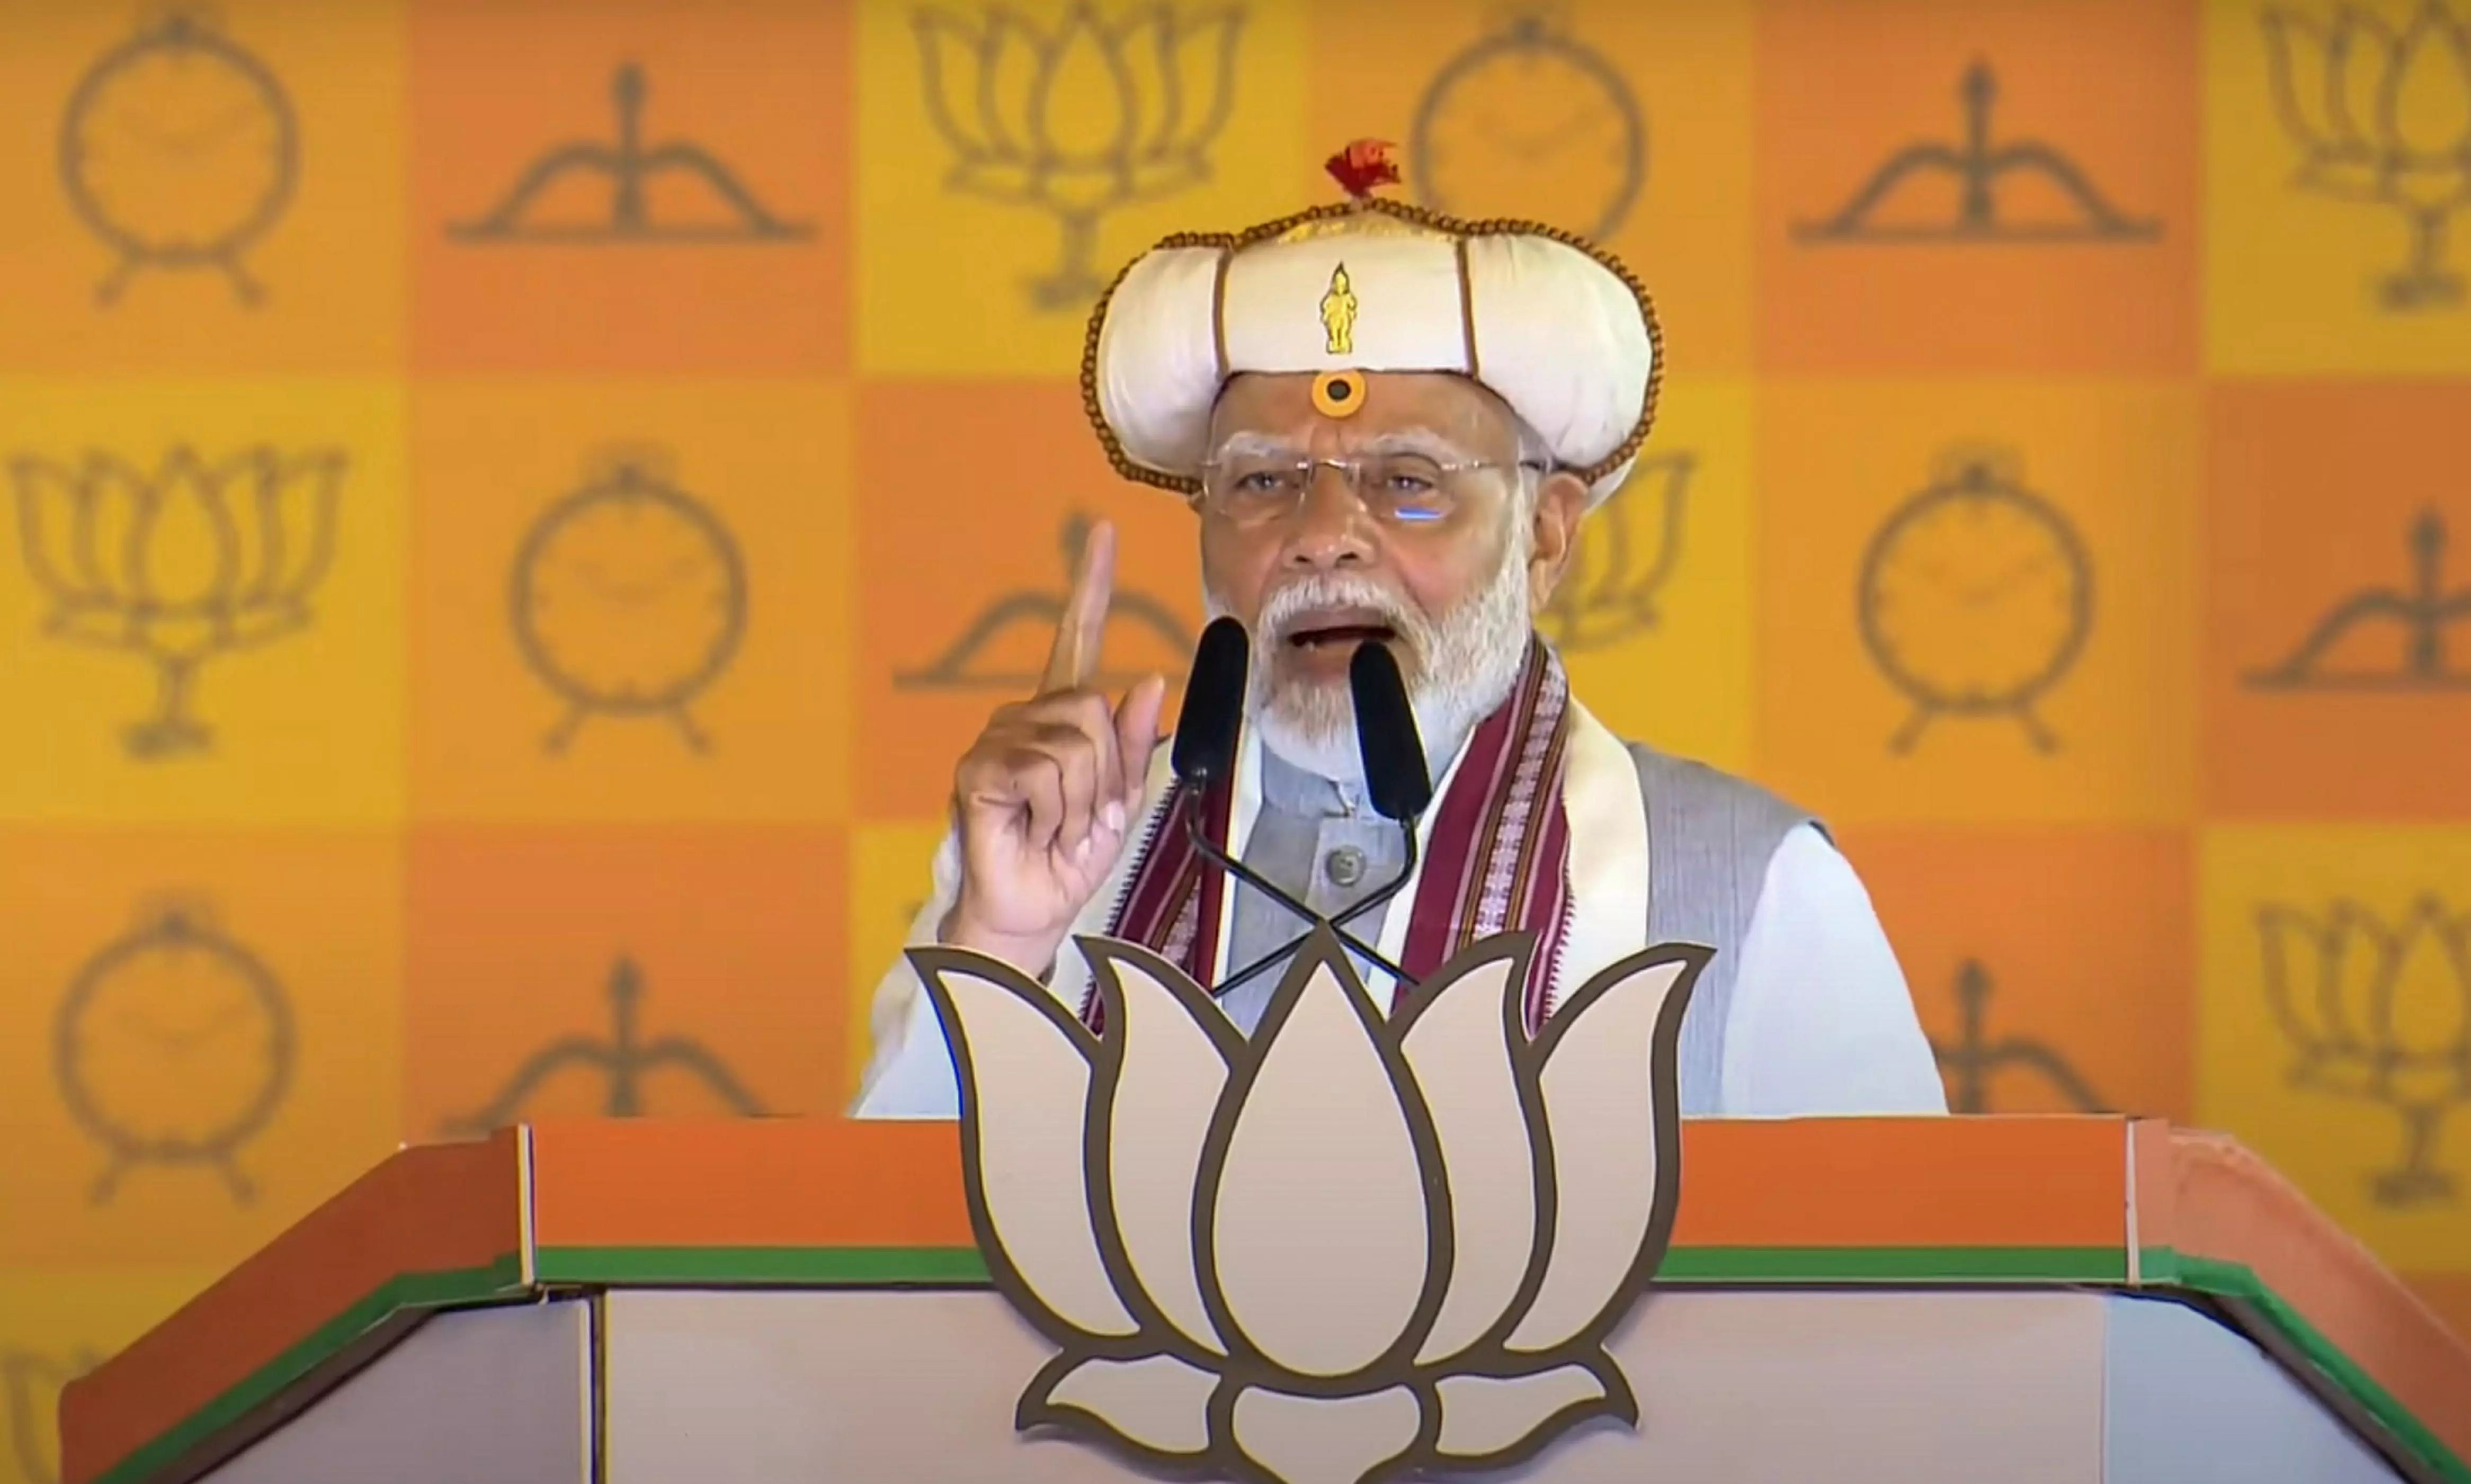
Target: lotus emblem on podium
[179,565]
[2383,115]
[1080,118]
[1354,1247]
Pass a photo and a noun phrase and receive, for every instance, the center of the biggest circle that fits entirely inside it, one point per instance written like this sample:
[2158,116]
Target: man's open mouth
[1339,630]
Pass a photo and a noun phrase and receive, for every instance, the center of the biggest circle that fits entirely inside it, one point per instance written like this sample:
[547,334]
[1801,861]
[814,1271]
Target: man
[1390,426]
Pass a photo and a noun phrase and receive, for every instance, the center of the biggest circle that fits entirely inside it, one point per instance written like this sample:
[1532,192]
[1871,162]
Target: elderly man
[1390,426]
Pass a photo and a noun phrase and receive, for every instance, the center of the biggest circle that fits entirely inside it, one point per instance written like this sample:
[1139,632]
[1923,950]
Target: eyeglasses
[1406,489]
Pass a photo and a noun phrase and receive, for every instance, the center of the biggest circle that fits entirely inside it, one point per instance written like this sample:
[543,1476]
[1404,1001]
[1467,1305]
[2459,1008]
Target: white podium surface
[908,1387]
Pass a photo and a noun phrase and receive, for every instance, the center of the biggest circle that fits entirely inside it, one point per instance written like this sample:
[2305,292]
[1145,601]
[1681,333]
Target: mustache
[1321,591]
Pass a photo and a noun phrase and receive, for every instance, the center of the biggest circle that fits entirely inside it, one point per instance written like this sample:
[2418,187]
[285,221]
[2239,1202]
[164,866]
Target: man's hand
[1047,795]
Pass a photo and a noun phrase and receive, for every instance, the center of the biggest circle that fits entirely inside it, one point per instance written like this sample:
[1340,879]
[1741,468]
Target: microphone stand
[1253,879]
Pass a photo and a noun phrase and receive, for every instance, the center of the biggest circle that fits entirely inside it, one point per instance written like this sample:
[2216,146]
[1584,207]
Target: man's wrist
[1034,956]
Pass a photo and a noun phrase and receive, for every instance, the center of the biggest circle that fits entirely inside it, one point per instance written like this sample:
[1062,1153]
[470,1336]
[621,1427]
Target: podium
[2070,1299]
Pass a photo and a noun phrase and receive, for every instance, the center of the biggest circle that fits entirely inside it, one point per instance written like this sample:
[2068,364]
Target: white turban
[1557,329]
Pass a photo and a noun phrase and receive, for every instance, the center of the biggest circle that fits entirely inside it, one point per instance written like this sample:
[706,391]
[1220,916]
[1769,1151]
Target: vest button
[1345,867]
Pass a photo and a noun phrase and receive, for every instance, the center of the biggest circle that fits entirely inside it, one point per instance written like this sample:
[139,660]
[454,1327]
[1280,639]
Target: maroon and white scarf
[1497,856]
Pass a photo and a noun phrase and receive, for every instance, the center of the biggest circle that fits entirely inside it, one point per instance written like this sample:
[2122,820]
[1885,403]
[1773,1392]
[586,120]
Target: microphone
[1214,704]
[1395,774]
[1204,751]
[1385,734]
[1396,778]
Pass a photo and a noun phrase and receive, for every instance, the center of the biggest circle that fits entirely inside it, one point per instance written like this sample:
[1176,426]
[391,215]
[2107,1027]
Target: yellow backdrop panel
[634,601]
[1627,120]
[1655,614]
[1011,158]
[2335,996]
[55,1326]
[2314,261]
[202,615]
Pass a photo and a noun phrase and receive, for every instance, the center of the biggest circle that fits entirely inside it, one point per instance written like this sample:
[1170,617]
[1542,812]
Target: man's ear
[1560,501]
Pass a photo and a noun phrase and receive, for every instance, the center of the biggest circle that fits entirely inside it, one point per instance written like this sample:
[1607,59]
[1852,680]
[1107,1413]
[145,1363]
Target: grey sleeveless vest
[1709,837]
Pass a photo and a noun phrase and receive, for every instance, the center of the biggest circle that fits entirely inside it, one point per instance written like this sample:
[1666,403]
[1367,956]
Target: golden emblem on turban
[1338,312]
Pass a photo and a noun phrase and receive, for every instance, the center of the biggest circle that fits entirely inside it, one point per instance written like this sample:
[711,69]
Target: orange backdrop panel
[2052,967]
[963,564]
[2335,686]
[241,216]
[733,254]
[1931,653]
[1862,118]
[199,1036]
[622,971]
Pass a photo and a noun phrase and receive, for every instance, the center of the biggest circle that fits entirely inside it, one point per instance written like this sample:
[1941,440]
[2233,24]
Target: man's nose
[1330,526]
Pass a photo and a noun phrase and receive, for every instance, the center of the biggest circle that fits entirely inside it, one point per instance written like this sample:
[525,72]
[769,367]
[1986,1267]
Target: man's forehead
[1281,403]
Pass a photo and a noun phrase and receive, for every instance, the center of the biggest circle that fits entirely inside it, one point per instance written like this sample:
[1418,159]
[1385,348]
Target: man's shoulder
[1685,788]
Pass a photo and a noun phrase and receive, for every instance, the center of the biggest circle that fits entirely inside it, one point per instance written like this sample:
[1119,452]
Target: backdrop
[514,508]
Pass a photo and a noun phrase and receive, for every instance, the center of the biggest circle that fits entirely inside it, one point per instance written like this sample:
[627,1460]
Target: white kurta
[1821,1020]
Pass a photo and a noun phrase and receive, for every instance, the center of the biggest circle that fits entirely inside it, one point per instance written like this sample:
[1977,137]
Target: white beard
[1459,667]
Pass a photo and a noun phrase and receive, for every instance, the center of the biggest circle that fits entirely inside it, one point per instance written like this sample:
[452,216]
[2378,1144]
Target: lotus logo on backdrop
[178,563]
[2377,1006]
[1350,1248]
[1078,118]
[2381,112]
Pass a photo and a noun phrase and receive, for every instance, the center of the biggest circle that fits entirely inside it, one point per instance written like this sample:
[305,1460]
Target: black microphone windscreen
[1385,734]
[1214,704]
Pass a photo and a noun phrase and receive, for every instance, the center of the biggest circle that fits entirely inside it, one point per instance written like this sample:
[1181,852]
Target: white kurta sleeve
[909,1074]
[1821,1022]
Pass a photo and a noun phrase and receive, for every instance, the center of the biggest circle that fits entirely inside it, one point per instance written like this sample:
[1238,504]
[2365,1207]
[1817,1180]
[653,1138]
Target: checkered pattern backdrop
[516,506]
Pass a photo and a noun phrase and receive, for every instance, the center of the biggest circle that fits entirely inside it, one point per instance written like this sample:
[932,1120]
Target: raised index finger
[1074,657]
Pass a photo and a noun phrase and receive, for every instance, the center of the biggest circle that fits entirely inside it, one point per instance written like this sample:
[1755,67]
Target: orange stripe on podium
[2030,1182]
[754,1183]
[1935,1182]
[454,1211]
